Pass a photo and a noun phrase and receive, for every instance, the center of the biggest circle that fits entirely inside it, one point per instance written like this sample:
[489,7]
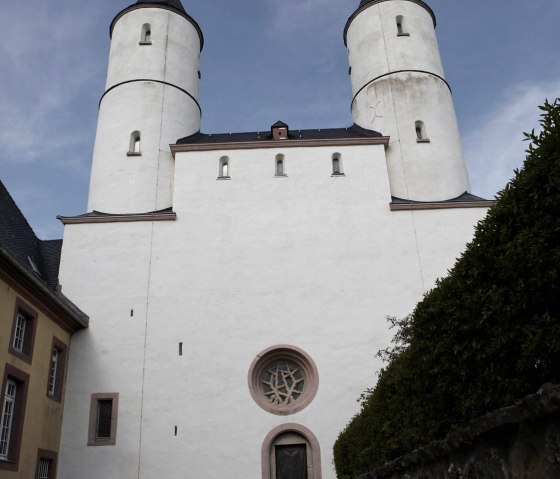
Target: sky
[263,61]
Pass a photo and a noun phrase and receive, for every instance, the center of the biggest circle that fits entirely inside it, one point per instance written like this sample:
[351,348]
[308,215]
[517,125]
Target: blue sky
[264,60]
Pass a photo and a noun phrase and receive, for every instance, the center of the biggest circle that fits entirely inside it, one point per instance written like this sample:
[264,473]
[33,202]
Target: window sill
[144,43]
[337,174]
[284,175]
[28,358]
[108,442]
[8,465]
[133,153]
[55,397]
[403,34]
[425,140]
[223,178]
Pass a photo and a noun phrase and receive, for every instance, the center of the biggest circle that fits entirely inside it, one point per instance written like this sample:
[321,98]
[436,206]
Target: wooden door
[291,461]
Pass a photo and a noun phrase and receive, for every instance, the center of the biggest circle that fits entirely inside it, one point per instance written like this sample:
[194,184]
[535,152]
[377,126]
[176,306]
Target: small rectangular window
[23,332]
[46,464]
[103,419]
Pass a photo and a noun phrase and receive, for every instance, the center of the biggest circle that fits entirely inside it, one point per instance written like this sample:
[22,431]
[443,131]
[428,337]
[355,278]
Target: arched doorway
[291,451]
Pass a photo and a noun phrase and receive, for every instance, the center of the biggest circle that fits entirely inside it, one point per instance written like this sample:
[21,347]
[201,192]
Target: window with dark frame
[13,400]
[103,419]
[46,464]
[57,370]
[23,332]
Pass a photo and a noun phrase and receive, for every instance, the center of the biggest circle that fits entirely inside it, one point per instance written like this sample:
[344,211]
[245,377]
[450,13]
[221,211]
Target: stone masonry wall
[517,442]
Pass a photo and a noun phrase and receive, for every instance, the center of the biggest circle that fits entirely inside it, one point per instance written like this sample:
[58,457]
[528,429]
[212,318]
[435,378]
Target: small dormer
[280,131]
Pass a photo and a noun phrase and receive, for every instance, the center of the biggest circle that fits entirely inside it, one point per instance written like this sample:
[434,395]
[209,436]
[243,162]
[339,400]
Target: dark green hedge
[486,335]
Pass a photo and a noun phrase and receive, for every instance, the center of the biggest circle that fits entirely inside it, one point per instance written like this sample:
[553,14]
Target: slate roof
[353,131]
[466,196]
[39,258]
[170,3]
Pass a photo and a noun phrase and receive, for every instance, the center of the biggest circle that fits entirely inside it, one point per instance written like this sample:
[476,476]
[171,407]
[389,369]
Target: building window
[134,147]
[421,136]
[13,400]
[280,166]
[401,30]
[46,464]
[103,419]
[224,172]
[23,332]
[337,165]
[283,380]
[57,370]
[146,37]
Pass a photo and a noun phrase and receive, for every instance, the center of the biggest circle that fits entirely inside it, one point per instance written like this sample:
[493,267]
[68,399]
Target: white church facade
[237,284]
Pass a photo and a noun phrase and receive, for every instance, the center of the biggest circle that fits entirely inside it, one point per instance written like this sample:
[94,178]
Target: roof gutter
[63,310]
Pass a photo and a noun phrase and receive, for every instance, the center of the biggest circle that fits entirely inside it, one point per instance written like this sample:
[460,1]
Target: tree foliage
[486,335]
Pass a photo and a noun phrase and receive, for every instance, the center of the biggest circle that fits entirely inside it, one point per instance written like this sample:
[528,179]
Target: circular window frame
[294,355]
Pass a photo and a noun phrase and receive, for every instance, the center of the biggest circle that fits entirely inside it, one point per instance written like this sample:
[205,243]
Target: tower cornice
[366,4]
[158,5]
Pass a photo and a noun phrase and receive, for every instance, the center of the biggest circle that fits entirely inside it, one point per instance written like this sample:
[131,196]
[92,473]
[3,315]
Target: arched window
[280,167]
[146,37]
[291,450]
[224,167]
[337,165]
[401,27]
[134,147]
[421,135]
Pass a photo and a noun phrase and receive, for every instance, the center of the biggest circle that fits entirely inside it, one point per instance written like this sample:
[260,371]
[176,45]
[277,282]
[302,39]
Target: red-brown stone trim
[93,440]
[292,143]
[298,429]
[22,380]
[441,205]
[52,456]
[286,352]
[30,329]
[77,220]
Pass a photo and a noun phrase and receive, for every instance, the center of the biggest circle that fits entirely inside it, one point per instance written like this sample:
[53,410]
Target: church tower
[399,89]
[150,100]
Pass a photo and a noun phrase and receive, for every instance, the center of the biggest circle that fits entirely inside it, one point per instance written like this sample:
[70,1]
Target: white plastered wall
[397,81]
[162,107]
[310,260]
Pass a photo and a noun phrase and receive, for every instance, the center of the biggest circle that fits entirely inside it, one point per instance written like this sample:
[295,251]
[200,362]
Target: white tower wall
[398,80]
[151,89]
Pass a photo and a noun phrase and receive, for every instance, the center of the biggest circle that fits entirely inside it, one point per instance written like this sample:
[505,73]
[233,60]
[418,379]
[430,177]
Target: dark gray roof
[17,237]
[170,3]
[353,131]
[466,196]
[37,258]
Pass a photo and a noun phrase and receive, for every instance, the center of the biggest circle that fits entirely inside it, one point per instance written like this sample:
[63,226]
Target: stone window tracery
[283,380]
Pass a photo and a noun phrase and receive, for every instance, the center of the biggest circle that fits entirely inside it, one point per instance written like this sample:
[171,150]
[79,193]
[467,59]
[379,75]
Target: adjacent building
[36,325]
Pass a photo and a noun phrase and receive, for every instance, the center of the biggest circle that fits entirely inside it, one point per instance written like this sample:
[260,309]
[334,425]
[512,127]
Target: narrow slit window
[224,167]
[337,165]
[420,129]
[401,27]
[146,38]
[134,148]
[280,167]
[53,373]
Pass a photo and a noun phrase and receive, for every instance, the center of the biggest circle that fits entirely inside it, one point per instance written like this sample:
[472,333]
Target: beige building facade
[36,324]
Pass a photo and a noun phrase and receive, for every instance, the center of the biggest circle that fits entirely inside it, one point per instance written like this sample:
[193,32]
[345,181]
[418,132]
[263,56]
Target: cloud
[496,147]
[44,76]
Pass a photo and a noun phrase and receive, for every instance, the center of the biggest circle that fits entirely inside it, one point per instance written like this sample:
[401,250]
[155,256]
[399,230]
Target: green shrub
[486,335]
